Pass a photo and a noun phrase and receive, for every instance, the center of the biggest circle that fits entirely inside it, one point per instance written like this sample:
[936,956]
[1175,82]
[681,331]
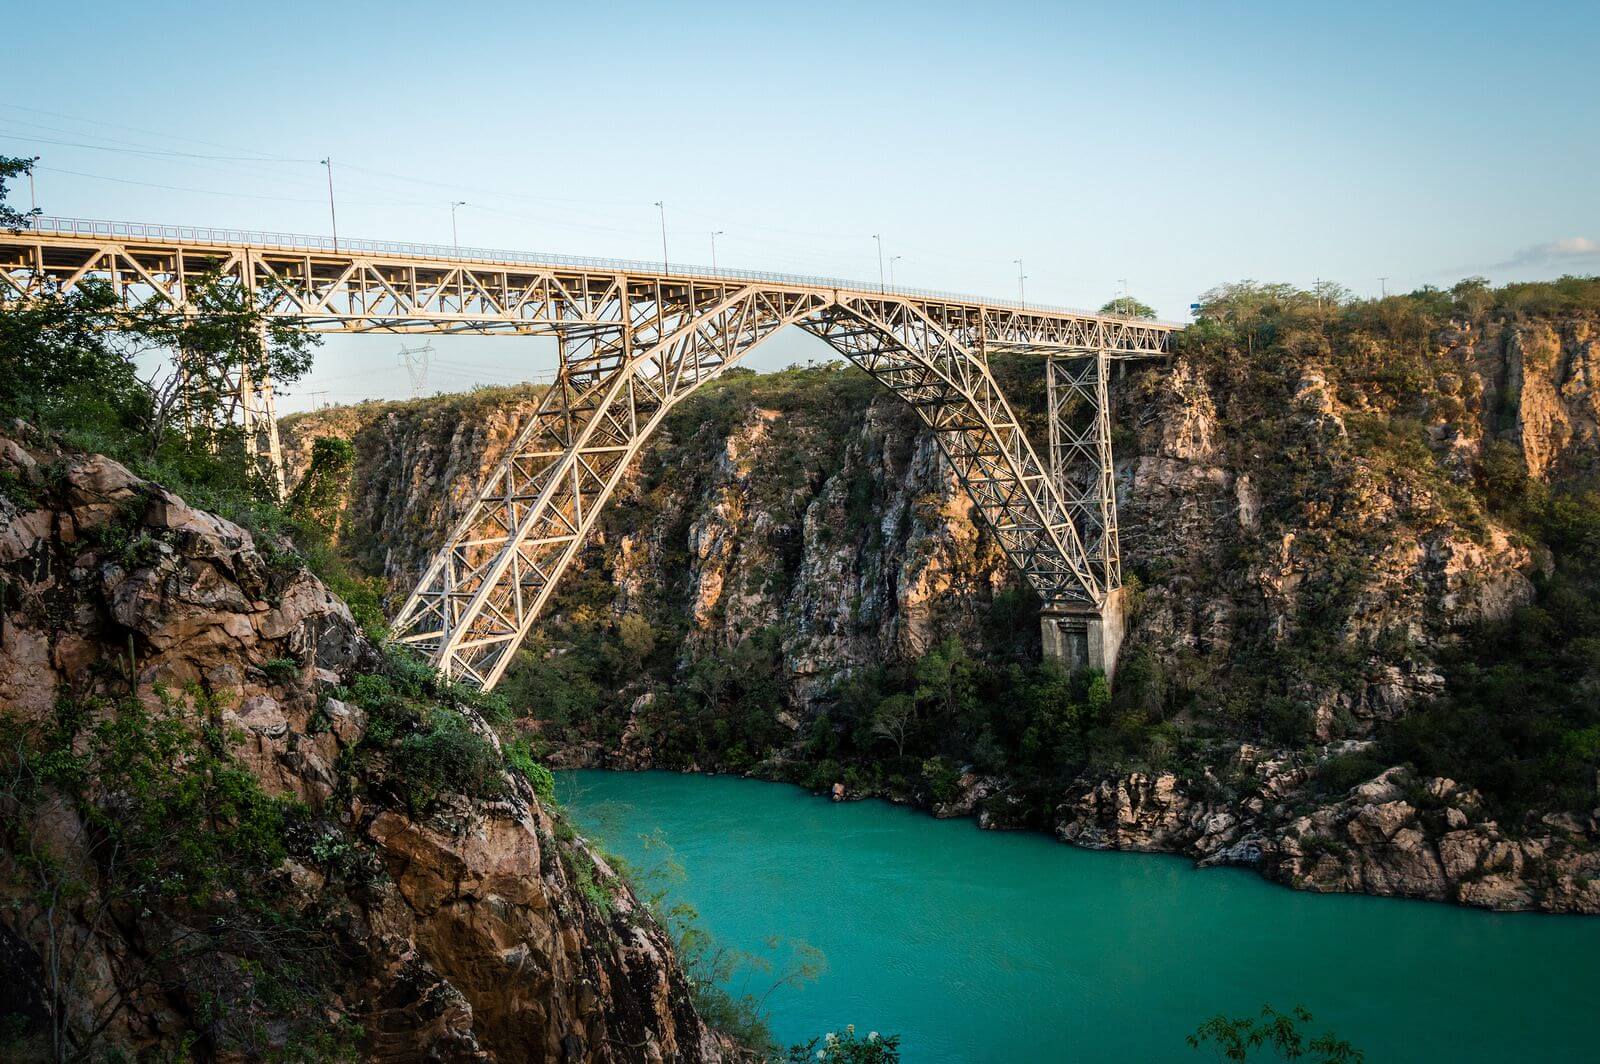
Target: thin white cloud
[1571,247]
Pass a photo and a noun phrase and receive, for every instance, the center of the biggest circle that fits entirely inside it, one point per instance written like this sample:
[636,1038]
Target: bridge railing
[281,241]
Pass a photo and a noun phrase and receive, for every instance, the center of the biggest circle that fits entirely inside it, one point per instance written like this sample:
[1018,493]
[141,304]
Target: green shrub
[281,670]
[1341,772]
[520,757]
[847,1048]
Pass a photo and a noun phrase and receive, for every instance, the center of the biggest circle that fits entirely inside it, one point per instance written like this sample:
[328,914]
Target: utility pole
[1383,286]
[1317,287]
[33,200]
[892,260]
[714,234]
[455,240]
[1022,286]
[881,286]
[665,262]
[333,215]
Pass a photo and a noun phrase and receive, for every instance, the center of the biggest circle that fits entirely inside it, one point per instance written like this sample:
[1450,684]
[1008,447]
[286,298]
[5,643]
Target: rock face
[1395,834]
[470,940]
[1337,573]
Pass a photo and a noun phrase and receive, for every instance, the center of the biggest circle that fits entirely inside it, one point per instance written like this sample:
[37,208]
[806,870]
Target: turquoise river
[982,946]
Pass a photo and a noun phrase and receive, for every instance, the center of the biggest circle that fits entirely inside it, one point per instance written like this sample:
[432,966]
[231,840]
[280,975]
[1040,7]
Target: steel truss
[1081,466]
[634,343]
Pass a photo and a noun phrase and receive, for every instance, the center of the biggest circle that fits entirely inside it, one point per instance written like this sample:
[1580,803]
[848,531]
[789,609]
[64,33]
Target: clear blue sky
[1173,145]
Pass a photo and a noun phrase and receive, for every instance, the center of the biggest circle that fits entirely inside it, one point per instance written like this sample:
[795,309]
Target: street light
[892,260]
[714,234]
[1022,286]
[879,239]
[332,214]
[665,263]
[455,240]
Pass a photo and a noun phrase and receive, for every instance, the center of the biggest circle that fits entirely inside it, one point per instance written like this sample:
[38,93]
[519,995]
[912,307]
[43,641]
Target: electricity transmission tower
[416,363]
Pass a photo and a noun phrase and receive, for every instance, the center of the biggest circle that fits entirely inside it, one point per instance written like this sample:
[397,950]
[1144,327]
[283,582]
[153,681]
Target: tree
[222,341]
[1235,1039]
[64,347]
[1129,307]
[893,719]
[10,167]
[638,637]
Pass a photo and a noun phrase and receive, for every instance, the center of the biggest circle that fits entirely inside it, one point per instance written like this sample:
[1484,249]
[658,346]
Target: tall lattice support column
[1083,471]
[207,389]
[254,408]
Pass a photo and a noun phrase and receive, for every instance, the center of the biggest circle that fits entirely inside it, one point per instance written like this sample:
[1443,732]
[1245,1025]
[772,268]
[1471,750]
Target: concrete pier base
[1087,638]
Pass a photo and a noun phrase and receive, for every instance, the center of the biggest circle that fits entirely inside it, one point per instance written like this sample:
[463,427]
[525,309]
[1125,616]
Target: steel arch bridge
[634,339]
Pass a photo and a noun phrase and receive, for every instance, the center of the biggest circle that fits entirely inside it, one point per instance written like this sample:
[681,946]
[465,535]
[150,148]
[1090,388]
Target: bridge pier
[1086,638]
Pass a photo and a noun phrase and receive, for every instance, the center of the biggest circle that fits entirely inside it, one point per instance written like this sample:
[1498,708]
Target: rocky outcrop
[466,938]
[1394,834]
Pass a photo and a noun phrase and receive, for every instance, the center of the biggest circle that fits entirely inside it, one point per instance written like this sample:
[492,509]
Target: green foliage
[316,499]
[848,1048]
[171,823]
[1128,307]
[419,746]
[1339,773]
[1238,1038]
[65,360]
[12,167]
[281,670]
[520,757]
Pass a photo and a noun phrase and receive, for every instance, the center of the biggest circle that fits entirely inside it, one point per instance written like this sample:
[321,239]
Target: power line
[146,151]
[173,188]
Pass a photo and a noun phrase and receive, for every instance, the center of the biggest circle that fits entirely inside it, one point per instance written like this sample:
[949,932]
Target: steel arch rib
[486,586]
[473,637]
[950,387]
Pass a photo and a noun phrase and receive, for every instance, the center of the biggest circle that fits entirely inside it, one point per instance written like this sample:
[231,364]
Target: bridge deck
[368,285]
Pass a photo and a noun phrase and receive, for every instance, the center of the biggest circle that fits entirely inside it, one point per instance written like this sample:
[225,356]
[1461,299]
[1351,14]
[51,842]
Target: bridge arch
[485,587]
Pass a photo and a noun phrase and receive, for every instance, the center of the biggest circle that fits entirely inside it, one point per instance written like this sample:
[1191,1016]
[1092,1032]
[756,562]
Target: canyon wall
[1322,563]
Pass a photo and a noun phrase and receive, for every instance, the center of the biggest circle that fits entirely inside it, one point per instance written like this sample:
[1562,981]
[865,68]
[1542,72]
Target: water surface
[982,946]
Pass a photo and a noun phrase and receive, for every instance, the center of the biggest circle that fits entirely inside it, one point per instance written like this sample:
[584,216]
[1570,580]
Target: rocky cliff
[1303,510]
[233,828]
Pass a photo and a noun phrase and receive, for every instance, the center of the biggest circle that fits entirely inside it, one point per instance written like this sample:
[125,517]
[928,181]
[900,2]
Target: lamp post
[879,239]
[892,260]
[454,239]
[1022,286]
[333,215]
[665,262]
[714,234]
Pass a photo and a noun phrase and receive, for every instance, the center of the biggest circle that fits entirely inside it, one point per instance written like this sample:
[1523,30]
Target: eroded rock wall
[470,941]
